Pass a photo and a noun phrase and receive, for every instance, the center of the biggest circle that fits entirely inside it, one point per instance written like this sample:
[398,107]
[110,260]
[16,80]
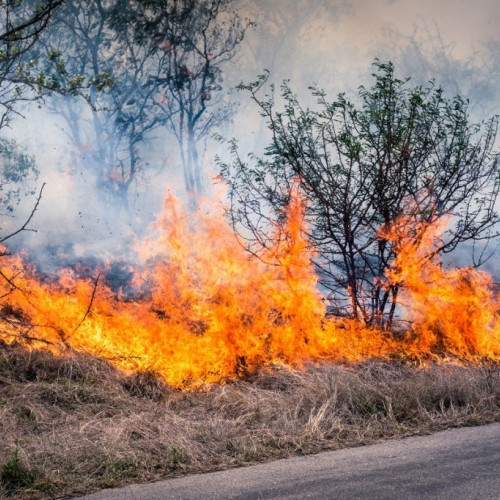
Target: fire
[452,311]
[203,310]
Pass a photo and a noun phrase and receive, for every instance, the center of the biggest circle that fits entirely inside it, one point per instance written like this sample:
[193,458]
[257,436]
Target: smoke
[331,43]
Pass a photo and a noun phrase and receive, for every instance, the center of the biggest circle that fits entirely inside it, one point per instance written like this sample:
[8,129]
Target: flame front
[203,310]
[451,312]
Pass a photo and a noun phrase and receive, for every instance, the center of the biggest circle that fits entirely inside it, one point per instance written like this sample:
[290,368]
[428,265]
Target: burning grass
[101,387]
[75,424]
[199,309]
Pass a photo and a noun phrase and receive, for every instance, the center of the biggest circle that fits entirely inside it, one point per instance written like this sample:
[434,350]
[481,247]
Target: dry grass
[71,426]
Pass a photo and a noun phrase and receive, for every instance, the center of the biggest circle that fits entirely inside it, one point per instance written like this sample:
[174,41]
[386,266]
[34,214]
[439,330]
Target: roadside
[71,426]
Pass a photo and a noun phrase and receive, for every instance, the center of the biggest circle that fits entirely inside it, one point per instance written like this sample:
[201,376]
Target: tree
[107,135]
[25,77]
[21,24]
[161,63]
[194,40]
[398,151]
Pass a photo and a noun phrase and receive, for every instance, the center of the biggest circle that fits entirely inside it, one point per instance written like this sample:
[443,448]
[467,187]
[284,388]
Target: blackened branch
[90,305]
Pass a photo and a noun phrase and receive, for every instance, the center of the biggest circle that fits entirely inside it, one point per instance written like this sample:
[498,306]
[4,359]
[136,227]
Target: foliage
[396,151]
[104,55]
[195,40]
[23,76]
[16,167]
[22,22]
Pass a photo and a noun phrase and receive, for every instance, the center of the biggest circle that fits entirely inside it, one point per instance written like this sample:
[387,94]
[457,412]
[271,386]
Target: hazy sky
[465,23]
[337,39]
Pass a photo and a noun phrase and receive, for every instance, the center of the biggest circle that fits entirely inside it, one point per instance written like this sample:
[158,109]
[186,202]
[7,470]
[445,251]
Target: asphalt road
[455,464]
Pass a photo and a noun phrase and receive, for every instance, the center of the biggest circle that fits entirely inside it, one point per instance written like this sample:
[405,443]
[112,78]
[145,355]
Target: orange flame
[452,311]
[205,311]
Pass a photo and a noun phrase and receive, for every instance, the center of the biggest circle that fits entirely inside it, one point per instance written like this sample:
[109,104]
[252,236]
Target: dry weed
[74,425]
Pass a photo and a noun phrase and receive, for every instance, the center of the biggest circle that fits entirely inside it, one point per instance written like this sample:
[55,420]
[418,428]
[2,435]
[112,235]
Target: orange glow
[203,310]
[452,312]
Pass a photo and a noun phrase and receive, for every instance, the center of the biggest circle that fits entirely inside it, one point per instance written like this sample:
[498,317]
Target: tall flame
[452,311]
[203,310]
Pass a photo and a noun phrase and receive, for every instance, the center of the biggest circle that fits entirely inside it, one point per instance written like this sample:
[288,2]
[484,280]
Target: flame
[451,312]
[203,310]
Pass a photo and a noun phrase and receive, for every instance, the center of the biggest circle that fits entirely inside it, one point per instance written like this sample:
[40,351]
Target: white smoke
[325,42]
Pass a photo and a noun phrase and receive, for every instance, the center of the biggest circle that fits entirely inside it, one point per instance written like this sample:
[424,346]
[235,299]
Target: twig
[10,281]
[89,307]
[28,220]
[43,16]
[24,334]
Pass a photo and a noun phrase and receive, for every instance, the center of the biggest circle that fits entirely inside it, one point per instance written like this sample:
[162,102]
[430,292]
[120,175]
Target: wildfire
[203,310]
[451,311]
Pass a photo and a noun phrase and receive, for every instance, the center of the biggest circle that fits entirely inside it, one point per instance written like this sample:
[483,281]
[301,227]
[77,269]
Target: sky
[337,40]
[330,43]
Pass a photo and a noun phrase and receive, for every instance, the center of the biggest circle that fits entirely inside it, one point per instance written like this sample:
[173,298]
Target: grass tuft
[15,475]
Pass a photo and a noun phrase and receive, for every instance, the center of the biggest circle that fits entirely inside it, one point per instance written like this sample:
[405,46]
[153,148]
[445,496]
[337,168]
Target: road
[454,464]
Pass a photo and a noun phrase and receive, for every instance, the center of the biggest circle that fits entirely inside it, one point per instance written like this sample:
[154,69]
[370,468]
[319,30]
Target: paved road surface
[456,464]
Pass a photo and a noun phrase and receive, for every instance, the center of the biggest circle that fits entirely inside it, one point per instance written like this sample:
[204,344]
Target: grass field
[74,425]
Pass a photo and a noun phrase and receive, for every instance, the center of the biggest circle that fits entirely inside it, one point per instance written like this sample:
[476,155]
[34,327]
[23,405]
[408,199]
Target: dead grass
[73,425]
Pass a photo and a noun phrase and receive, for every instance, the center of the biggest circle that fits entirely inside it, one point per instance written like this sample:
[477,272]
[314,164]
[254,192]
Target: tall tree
[396,152]
[108,134]
[194,40]
[22,23]
[162,63]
